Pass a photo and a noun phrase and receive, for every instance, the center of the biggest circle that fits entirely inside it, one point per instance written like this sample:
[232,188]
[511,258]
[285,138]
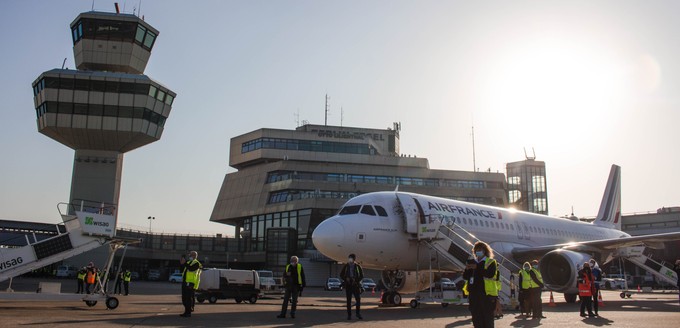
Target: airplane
[395,231]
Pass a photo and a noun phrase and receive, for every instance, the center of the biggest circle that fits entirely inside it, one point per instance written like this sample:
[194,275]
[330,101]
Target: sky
[585,84]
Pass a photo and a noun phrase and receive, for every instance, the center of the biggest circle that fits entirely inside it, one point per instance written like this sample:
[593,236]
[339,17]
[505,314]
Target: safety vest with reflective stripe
[127,276]
[81,276]
[527,282]
[299,272]
[585,287]
[490,284]
[90,277]
[192,276]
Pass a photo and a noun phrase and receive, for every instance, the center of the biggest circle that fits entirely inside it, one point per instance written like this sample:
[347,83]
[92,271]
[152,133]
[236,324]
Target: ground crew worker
[294,280]
[119,282]
[81,280]
[498,312]
[597,276]
[90,277]
[480,275]
[126,281]
[351,275]
[535,291]
[191,271]
[676,268]
[585,289]
[525,283]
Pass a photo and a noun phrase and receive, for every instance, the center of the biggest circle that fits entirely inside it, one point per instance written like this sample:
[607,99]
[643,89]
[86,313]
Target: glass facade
[307,145]
[113,30]
[527,187]
[73,83]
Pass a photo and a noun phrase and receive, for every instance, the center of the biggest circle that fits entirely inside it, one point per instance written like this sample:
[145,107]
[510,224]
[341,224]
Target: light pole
[150,218]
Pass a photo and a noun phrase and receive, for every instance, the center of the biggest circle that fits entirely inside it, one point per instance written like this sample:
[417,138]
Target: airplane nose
[328,236]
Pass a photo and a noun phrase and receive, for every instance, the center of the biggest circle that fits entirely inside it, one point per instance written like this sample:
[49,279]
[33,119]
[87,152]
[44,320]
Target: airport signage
[349,135]
[97,224]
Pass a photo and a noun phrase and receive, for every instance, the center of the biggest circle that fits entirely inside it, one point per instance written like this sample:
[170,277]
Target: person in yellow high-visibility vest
[480,275]
[81,280]
[191,269]
[126,281]
[525,284]
[294,281]
[535,291]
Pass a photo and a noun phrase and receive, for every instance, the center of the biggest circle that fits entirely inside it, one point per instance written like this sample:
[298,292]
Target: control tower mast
[107,106]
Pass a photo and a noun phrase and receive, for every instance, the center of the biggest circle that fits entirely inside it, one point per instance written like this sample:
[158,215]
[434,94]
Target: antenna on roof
[92,5]
[117,8]
[297,118]
[474,157]
[327,108]
[527,156]
[63,63]
[342,115]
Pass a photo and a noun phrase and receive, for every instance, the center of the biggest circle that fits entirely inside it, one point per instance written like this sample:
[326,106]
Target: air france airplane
[390,230]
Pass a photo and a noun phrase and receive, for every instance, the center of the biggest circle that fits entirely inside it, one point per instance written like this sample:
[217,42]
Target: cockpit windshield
[365,209]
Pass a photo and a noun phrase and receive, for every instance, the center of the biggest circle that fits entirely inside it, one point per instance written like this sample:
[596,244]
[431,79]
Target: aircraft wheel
[112,303]
[396,298]
[445,305]
[91,303]
[253,299]
[212,299]
[386,298]
[413,304]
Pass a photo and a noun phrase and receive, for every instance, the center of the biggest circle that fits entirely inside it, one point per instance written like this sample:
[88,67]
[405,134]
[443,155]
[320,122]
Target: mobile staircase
[660,270]
[88,227]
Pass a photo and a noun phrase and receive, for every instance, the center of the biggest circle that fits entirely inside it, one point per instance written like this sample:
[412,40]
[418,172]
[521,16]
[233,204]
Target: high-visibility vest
[527,282]
[192,276]
[90,277]
[584,288]
[299,272]
[498,280]
[127,276]
[81,275]
[490,287]
[538,276]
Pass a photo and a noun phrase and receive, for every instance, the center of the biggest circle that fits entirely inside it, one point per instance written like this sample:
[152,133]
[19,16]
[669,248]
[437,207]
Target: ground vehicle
[154,275]
[628,278]
[66,271]
[612,283]
[134,275]
[226,283]
[447,284]
[333,284]
[175,277]
[367,283]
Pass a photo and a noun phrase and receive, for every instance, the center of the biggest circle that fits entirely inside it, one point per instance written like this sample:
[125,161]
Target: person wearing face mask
[294,281]
[597,278]
[351,275]
[480,280]
[585,289]
[191,271]
[525,284]
[535,291]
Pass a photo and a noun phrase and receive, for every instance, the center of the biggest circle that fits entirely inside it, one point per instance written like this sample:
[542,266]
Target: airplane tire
[112,303]
[413,304]
[396,298]
[386,298]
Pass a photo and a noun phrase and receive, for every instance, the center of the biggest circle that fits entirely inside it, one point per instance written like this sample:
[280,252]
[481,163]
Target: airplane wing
[653,241]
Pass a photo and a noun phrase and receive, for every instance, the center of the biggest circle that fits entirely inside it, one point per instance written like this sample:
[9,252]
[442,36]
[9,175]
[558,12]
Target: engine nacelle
[558,269]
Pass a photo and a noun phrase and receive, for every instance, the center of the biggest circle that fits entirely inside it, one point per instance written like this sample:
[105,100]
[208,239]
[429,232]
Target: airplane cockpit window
[368,209]
[352,209]
[381,211]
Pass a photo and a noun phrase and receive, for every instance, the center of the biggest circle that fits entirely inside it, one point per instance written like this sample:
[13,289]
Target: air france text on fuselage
[461,210]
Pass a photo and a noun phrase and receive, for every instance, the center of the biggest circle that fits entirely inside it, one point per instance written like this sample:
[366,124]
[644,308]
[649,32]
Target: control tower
[107,106]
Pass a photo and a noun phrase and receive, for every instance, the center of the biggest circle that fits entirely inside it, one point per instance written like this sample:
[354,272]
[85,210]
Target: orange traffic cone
[381,297]
[639,290]
[599,298]
[373,291]
[552,300]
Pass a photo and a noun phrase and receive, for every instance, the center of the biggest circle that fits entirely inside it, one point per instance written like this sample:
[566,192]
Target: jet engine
[558,269]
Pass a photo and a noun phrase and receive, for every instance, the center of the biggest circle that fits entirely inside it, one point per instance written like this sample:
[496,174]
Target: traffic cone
[599,298]
[373,291]
[381,297]
[552,300]
[639,290]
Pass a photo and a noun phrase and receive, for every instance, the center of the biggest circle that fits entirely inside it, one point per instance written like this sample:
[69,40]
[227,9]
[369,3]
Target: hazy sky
[586,84]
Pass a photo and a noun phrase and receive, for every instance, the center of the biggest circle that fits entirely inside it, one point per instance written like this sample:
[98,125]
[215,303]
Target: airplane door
[520,235]
[410,212]
[526,231]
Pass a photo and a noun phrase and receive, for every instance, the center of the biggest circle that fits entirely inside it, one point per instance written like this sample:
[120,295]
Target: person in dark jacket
[191,273]
[597,278]
[294,280]
[676,268]
[479,275]
[351,275]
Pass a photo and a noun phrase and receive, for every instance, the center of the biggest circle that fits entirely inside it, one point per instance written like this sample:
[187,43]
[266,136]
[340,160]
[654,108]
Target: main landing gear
[393,280]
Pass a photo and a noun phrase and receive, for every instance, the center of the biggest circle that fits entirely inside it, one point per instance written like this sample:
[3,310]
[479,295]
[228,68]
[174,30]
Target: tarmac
[158,304]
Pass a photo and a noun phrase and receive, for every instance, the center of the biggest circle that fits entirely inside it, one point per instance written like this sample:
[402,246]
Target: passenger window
[353,209]
[368,209]
[381,211]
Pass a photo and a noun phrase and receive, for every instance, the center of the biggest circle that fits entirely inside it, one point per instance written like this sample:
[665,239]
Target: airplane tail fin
[610,208]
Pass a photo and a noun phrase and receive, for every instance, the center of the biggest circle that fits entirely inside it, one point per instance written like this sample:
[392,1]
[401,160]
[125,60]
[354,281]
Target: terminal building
[288,181]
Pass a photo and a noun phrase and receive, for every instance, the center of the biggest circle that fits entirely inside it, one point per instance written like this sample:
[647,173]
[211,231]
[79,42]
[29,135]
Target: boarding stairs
[658,269]
[87,227]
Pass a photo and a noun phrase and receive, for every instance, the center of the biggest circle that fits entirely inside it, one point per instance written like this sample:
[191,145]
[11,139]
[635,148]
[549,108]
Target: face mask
[191,258]
[350,260]
[479,254]
[526,268]
[535,266]
[293,263]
